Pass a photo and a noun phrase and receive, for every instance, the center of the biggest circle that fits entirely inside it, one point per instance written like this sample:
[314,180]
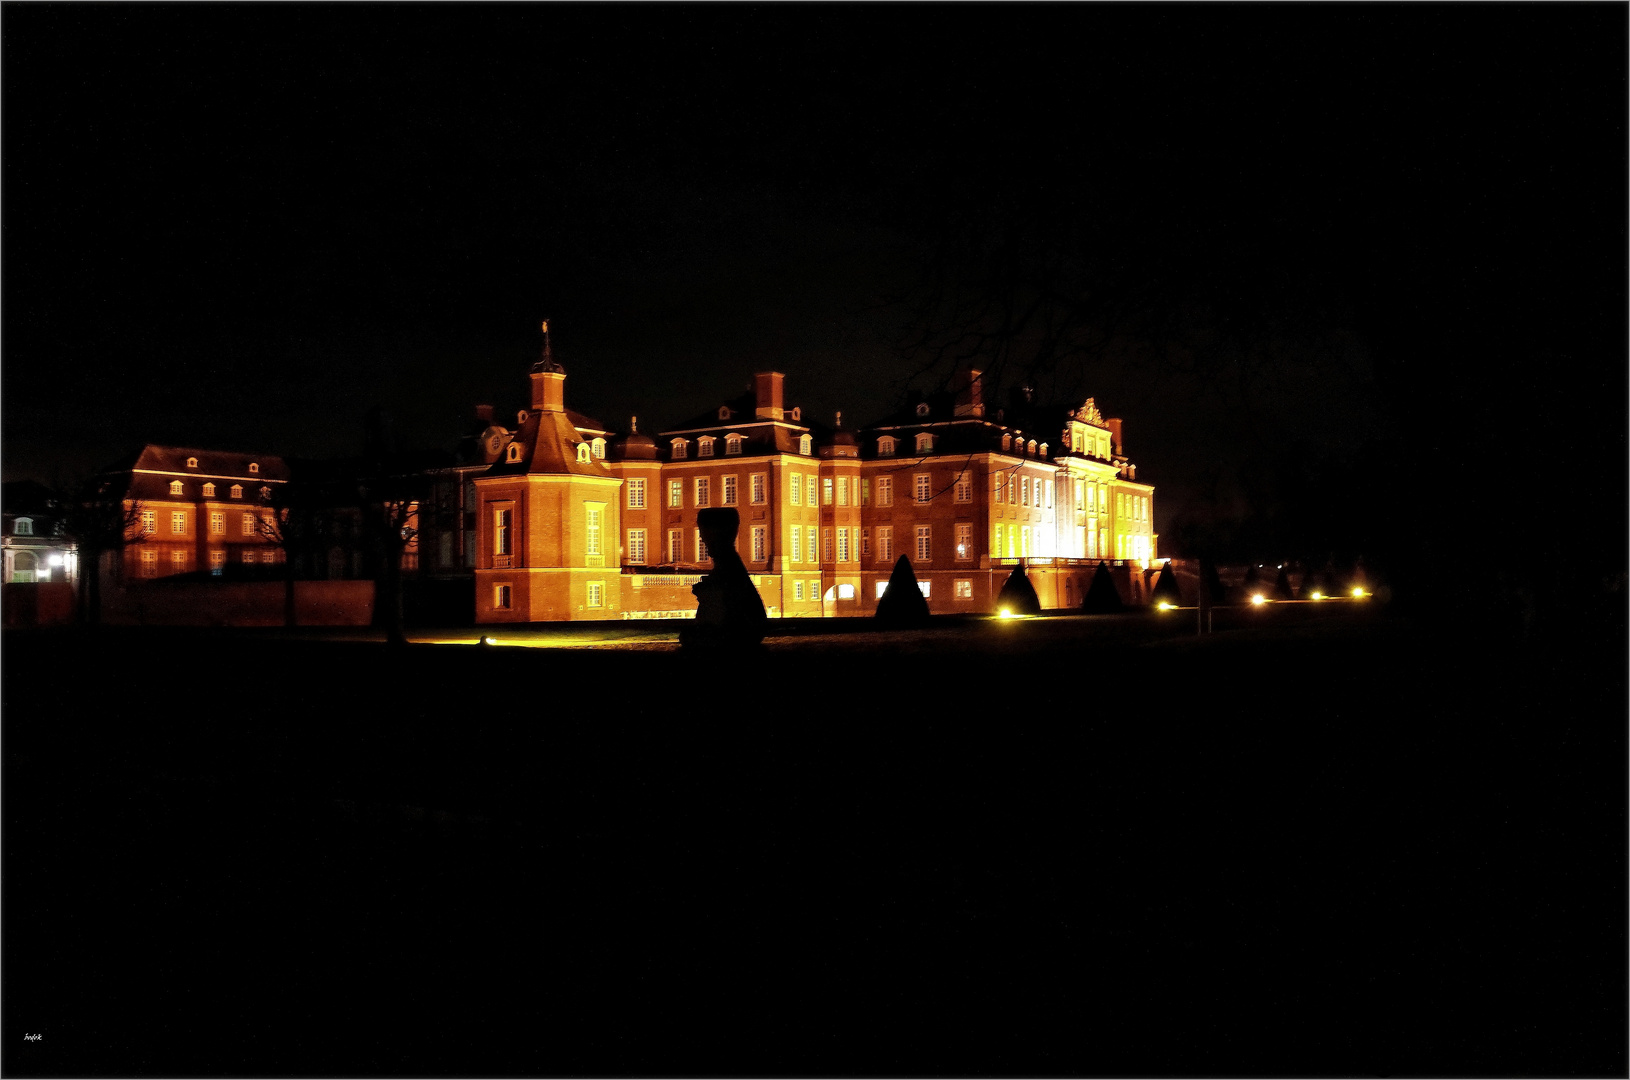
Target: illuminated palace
[573,521]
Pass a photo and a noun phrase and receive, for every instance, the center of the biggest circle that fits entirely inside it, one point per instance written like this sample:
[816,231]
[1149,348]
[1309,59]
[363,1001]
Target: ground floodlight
[1258,598]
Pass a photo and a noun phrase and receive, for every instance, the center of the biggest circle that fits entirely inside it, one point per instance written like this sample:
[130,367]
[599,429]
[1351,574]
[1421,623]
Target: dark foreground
[1353,847]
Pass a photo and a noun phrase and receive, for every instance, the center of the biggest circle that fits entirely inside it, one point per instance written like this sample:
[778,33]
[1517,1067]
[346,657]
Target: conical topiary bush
[902,602]
[1018,596]
[1166,590]
[1102,595]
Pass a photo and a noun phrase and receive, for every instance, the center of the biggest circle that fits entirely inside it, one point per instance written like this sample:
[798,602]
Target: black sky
[242,226]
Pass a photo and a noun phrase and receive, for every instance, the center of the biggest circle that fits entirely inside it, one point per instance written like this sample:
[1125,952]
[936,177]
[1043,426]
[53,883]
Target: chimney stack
[767,391]
[1115,435]
[970,398]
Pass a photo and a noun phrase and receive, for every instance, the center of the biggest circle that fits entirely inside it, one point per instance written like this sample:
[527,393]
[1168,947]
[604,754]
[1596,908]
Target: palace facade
[564,519]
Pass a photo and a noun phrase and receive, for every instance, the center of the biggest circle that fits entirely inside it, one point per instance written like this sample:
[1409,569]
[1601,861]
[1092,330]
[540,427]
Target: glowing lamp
[1258,598]
[1358,593]
[1318,596]
[489,641]
[1165,605]
[1007,613]
[55,560]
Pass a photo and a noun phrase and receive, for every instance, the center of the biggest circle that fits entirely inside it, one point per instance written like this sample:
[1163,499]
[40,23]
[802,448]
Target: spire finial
[840,418]
[546,361]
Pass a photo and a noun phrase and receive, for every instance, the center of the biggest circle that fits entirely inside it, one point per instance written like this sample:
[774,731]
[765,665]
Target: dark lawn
[1343,847]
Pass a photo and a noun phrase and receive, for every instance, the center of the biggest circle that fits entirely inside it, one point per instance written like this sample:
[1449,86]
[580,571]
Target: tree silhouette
[101,520]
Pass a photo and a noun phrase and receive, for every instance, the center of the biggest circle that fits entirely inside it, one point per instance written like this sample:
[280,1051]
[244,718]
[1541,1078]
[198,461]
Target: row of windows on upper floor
[208,491]
[180,521]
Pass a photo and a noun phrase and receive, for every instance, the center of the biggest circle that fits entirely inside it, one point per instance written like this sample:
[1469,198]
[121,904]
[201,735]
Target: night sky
[1313,255]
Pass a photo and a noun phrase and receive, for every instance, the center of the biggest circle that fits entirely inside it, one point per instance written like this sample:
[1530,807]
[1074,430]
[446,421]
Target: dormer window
[885,446]
[254,466]
[266,493]
[24,527]
[583,452]
[1032,447]
[724,412]
[732,444]
[704,446]
[209,491]
[1043,449]
[795,415]
[192,463]
[922,408]
[806,445]
[1007,443]
[175,487]
[237,491]
[599,449]
[513,454]
[678,449]
[925,443]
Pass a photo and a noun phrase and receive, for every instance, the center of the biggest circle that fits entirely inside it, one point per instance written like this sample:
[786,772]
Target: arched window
[806,445]
[209,491]
[175,487]
[678,449]
[704,446]
[925,443]
[237,491]
[192,463]
[724,412]
[513,453]
[23,566]
[599,447]
[24,527]
[583,451]
[254,466]
[732,444]
[885,447]
[922,408]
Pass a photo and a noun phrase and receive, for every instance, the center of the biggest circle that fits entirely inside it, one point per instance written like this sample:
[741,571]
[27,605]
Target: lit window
[843,491]
[701,491]
[178,561]
[925,487]
[704,446]
[729,491]
[192,463]
[865,492]
[964,541]
[636,493]
[178,521]
[23,527]
[149,562]
[592,530]
[636,547]
[175,487]
[1043,449]
[885,544]
[217,562]
[843,545]
[922,586]
[254,466]
[885,491]
[501,540]
[500,597]
[701,548]
[1024,542]
[996,548]
[732,444]
[1012,491]
[964,589]
[796,489]
[964,488]
[583,452]
[757,493]
[882,587]
[826,545]
[217,523]
[1032,447]
[885,447]
[1024,491]
[758,543]
[798,589]
[826,491]
[237,491]
[598,448]
[209,491]
[149,521]
[846,592]
[924,546]
[1007,443]
[809,488]
[805,445]
[597,594]
[676,553]
[797,545]
[513,454]
[678,449]
[676,493]
[809,539]
[925,443]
